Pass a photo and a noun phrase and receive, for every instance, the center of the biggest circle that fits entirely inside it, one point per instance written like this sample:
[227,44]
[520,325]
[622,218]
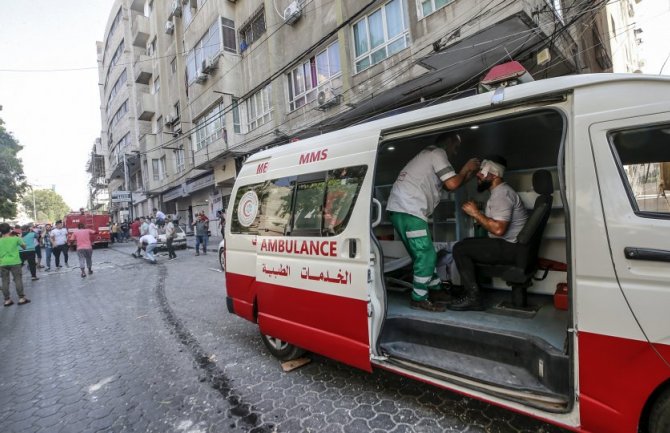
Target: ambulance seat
[519,276]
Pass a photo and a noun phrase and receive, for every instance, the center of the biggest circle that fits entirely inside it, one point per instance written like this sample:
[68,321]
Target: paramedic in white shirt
[413,198]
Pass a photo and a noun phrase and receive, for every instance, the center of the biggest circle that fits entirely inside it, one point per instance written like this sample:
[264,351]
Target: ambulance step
[513,361]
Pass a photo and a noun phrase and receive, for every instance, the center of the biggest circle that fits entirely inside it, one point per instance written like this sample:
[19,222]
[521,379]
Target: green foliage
[12,179]
[50,205]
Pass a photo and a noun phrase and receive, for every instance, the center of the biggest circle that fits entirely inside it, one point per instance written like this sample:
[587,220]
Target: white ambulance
[579,338]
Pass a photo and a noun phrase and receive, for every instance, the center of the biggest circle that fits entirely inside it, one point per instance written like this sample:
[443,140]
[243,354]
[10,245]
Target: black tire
[659,417]
[222,260]
[280,349]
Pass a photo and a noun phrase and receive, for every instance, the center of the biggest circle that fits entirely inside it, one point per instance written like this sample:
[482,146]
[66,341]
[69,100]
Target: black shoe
[134,255]
[427,305]
[440,297]
[90,271]
[470,302]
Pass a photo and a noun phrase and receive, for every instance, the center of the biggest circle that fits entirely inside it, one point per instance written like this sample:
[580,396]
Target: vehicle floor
[525,354]
[548,323]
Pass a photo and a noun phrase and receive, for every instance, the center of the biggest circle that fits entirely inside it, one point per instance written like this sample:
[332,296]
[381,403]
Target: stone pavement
[151,348]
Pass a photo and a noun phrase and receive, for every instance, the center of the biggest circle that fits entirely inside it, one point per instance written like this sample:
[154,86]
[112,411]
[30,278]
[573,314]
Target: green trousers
[415,236]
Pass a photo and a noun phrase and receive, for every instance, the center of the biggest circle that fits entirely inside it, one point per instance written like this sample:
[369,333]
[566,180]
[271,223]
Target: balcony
[140,31]
[147,142]
[143,69]
[146,106]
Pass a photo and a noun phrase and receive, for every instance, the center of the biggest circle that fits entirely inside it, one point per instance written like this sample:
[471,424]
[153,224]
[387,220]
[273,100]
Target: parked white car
[179,242]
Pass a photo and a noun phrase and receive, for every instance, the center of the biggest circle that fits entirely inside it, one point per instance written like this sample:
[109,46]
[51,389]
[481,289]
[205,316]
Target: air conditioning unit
[210,64]
[175,10]
[170,119]
[327,98]
[201,78]
[169,27]
[292,13]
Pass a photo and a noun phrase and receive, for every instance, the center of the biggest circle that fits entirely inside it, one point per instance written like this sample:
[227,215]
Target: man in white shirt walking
[59,242]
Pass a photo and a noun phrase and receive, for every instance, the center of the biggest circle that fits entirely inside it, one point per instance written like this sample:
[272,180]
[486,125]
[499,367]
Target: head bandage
[494,168]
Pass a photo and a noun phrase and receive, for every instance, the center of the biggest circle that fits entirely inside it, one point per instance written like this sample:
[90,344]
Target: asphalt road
[137,347]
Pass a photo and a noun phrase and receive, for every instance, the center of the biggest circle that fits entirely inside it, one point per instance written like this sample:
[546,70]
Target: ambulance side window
[236,226]
[643,156]
[276,198]
[273,208]
[342,191]
[324,201]
[308,210]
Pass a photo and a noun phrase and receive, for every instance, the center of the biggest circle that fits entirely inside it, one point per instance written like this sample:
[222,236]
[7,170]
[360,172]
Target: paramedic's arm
[466,172]
[495,227]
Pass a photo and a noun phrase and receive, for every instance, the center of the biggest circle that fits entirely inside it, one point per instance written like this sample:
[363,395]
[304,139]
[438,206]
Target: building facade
[189,88]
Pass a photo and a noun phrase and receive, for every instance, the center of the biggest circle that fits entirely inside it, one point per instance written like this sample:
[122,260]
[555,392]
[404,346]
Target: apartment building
[189,88]
[98,194]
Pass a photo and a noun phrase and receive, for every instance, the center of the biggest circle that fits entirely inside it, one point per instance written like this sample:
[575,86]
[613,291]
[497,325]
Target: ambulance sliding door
[632,157]
[313,277]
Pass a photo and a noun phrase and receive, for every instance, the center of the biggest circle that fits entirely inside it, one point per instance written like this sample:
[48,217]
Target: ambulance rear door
[312,275]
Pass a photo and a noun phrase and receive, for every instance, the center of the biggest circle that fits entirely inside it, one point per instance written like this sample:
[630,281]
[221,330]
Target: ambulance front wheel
[281,349]
[659,418]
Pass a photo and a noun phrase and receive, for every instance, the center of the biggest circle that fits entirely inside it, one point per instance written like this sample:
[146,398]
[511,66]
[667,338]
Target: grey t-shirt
[419,185]
[506,205]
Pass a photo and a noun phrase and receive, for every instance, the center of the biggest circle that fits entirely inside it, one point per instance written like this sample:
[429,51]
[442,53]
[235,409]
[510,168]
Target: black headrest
[542,183]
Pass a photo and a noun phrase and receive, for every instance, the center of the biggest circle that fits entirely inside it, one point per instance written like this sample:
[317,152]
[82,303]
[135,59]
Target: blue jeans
[198,240]
[47,250]
[149,254]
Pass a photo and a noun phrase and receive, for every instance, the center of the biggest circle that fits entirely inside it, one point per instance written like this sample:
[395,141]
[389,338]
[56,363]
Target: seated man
[503,219]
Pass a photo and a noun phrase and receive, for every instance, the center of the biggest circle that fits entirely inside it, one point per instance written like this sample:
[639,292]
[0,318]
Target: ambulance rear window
[317,204]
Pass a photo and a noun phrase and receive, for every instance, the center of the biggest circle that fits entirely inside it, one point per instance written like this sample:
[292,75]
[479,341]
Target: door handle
[378,205]
[650,254]
[352,248]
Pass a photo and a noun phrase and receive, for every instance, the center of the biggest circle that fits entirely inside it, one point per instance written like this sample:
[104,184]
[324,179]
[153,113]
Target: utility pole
[126,181]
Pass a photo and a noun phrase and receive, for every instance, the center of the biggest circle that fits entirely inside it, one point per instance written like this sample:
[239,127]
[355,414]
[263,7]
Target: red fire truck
[99,223]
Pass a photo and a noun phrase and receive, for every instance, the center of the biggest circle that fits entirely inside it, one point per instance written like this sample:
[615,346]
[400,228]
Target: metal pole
[126,182]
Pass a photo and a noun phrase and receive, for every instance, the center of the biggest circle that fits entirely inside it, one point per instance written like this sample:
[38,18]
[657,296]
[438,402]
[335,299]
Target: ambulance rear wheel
[280,349]
[659,418]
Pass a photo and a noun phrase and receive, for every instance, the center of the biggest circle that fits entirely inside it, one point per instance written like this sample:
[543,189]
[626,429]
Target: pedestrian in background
[48,247]
[123,231]
[170,233]
[38,246]
[10,264]
[160,217]
[201,225]
[82,238]
[115,232]
[144,229]
[27,252]
[59,242]
[135,229]
[222,221]
[153,228]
